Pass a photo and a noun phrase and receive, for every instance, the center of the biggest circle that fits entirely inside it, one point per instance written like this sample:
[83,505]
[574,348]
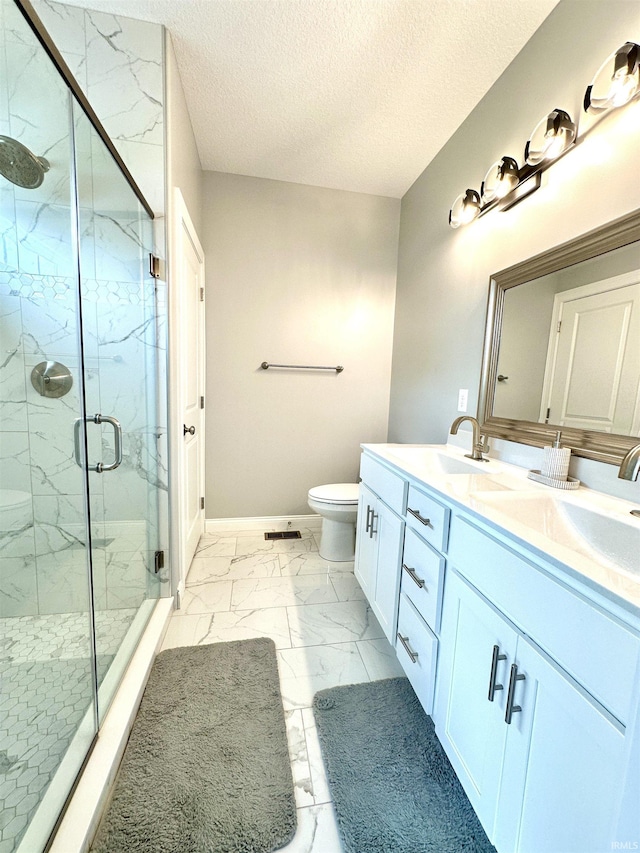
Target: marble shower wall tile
[18,591]
[15,461]
[13,394]
[124,72]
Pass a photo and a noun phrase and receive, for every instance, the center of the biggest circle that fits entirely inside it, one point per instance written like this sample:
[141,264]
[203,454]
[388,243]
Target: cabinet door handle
[366,529]
[371,530]
[495,657]
[511,708]
[405,642]
[416,514]
[414,577]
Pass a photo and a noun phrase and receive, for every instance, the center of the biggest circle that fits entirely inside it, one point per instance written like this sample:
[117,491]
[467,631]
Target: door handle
[191,430]
[511,708]
[495,657]
[371,530]
[99,467]
[366,529]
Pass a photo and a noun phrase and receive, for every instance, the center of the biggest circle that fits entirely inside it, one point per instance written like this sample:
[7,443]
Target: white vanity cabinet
[530,673]
[379,541]
[539,757]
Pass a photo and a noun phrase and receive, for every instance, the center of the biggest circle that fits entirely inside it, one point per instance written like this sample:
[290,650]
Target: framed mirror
[562,346]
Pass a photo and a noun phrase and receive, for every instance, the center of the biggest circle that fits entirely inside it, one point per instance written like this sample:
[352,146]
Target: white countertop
[485,495]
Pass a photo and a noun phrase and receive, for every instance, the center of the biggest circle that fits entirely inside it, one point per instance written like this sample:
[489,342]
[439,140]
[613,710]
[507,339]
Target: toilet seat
[336,493]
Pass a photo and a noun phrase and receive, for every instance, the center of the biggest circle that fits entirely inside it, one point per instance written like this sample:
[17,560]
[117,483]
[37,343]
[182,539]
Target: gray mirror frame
[601,446]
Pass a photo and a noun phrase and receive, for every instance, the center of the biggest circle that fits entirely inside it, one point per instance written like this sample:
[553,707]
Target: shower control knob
[191,430]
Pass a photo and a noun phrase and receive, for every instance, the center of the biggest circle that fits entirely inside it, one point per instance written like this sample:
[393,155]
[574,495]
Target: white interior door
[593,369]
[188,366]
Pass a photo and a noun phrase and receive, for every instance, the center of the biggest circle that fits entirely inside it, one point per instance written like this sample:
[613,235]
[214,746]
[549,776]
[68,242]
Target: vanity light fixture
[500,180]
[550,138]
[465,209]
[505,184]
[617,80]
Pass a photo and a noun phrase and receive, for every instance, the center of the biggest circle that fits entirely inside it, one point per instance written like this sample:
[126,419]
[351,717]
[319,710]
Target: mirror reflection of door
[593,362]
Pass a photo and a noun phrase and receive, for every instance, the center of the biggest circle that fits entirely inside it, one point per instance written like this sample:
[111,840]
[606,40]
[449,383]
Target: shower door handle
[100,467]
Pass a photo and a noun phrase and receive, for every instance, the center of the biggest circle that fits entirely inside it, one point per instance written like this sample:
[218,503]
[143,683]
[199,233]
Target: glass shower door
[47,689]
[120,326]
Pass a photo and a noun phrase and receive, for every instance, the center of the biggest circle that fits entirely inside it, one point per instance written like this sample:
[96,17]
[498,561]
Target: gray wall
[183,163]
[295,275]
[443,274]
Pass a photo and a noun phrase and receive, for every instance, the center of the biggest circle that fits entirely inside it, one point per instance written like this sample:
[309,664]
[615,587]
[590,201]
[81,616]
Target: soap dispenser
[555,462]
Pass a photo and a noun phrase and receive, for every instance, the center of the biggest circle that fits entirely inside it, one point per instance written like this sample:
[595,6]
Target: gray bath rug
[206,769]
[393,787]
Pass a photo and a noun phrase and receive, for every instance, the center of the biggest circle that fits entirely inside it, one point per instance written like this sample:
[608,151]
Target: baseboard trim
[260,524]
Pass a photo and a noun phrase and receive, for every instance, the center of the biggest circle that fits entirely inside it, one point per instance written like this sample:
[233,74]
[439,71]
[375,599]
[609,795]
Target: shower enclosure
[82,482]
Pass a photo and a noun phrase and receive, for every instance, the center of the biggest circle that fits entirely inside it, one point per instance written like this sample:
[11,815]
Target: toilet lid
[336,493]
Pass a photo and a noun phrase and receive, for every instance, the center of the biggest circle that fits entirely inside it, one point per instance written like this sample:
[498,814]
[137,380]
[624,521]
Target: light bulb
[464,209]
[623,88]
[616,82]
[550,138]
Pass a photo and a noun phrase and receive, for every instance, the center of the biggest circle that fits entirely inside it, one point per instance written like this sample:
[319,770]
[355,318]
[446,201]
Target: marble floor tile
[257,544]
[223,627]
[216,546]
[379,659]
[304,671]
[311,563]
[333,622]
[206,598]
[251,594]
[299,760]
[317,831]
[233,568]
[318,773]
[347,587]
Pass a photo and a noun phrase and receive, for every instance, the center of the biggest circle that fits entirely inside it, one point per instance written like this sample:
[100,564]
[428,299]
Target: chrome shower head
[21,166]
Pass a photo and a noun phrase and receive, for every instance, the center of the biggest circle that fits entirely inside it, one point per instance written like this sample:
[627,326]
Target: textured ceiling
[352,94]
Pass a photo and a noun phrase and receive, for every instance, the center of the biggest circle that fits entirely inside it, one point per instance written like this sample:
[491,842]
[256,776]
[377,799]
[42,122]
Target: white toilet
[337,503]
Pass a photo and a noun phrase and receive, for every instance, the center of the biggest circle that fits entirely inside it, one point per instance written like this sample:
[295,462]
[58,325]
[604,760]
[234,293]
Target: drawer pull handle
[416,514]
[511,708]
[495,657]
[414,577]
[405,642]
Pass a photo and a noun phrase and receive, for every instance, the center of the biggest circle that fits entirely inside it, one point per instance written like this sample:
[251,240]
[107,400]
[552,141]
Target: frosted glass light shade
[617,80]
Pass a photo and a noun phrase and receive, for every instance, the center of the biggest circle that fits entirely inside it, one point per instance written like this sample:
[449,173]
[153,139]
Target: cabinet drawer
[590,644]
[422,578]
[428,517]
[418,653]
[387,485]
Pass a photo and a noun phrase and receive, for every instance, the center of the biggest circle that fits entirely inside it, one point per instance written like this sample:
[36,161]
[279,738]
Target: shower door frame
[75,92]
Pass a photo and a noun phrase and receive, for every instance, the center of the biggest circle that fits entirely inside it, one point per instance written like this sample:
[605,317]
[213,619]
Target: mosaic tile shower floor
[45,690]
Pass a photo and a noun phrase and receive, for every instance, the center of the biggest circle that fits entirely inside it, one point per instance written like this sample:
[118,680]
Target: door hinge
[202,402]
[559,324]
[154,266]
[158,561]
[546,420]
[201,503]
[202,294]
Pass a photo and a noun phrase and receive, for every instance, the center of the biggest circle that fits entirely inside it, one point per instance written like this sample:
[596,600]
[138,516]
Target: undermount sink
[603,537]
[436,461]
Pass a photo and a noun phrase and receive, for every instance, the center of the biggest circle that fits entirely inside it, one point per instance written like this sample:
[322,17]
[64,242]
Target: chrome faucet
[480,444]
[630,465]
